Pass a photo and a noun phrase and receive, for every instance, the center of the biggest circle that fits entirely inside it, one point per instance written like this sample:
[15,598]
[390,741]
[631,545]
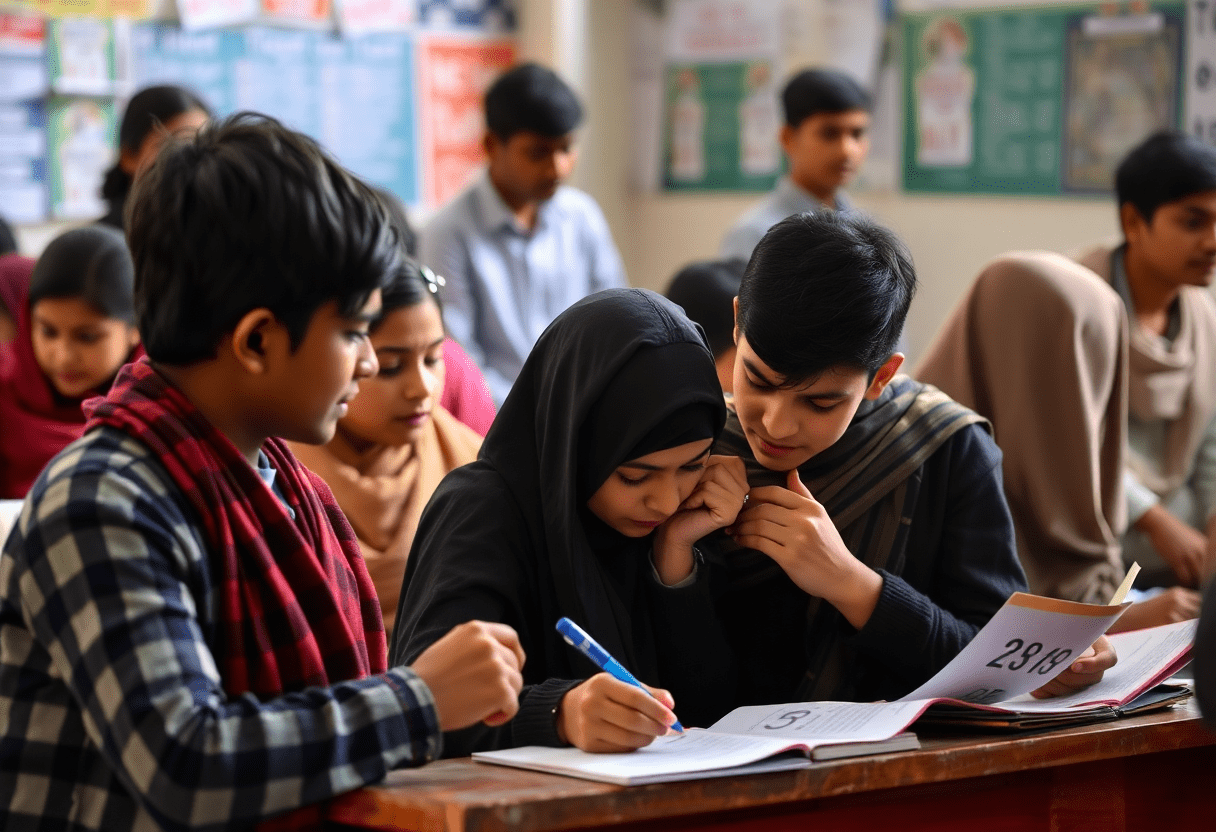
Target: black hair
[707,291]
[244,215]
[825,290]
[533,98]
[148,109]
[407,285]
[1165,167]
[92,264]
[400,220]
[8,240]
[814,91]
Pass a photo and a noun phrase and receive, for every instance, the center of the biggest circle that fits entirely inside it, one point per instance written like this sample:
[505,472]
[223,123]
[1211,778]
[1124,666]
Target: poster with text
[453,75]
[80,56]
[23,193]
[480,15]
[1036,99]
[210,14]
[307,13]
[357,17]
[80,142]
[721,113]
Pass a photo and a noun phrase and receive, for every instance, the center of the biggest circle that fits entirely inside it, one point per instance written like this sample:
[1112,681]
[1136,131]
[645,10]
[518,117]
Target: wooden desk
[1156,771]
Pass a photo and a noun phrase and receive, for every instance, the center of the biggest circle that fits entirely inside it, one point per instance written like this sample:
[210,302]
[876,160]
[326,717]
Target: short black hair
[533,98]
[1165,167]
[8,240]
[249,214]
[707,291]
[825,290]
[91,264]
[147,110]
[814,91]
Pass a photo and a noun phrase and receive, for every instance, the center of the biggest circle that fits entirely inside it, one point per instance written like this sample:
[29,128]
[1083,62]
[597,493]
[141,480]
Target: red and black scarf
[297,608]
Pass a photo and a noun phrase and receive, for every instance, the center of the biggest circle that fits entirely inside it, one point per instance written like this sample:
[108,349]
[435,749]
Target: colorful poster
[367,109]
[23,196]
[1036,99]
[1200,87]
[482,15]
[80,139]
[356,17]
[80,56]
[22,57]
[453,75]
[202,61]
[722,118]
[313,13]
[211,14]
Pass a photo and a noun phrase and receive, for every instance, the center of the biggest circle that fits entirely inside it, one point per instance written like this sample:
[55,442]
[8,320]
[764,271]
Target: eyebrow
[824,394]
[642,466]
[405,350]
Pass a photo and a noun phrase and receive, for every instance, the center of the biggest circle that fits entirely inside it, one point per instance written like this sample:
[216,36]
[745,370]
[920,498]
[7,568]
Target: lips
[648,524]
[769,449]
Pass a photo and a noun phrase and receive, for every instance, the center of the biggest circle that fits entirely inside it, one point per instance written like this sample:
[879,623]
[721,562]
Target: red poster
[453,74]
[306,11]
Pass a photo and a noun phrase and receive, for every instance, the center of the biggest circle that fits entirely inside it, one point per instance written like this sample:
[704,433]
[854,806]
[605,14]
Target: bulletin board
[361,78]
[1037,100]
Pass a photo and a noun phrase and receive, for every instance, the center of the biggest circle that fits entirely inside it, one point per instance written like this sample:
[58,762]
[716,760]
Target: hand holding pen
[611,711]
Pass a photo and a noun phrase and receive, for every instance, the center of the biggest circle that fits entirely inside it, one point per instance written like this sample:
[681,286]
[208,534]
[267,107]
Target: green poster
[80,56]
[80,141]
[1040,100]
[721,126]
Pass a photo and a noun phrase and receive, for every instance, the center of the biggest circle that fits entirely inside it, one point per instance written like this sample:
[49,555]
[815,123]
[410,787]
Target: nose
[663,497]
[417,382]
[366,364]
[778,420]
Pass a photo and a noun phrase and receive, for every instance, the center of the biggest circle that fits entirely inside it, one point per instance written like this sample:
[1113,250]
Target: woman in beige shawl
[1039,347]
[395,442]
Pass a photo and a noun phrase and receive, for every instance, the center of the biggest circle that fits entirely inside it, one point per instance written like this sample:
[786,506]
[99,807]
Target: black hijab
[618,375]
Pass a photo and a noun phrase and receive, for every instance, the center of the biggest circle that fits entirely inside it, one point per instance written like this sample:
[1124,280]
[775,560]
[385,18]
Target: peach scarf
[1039,347]
[383,490]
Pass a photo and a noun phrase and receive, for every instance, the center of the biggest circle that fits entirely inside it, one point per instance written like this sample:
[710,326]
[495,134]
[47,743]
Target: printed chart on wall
[1037,100]
[453,75]
[355,95]
[722,118]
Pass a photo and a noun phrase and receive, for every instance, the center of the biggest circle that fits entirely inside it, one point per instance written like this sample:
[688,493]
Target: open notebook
[1026,643]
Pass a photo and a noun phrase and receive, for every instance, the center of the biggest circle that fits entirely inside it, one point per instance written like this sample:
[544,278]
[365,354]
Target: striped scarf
[869,482]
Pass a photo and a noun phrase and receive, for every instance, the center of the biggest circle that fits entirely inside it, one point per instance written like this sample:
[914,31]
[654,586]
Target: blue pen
[577,637]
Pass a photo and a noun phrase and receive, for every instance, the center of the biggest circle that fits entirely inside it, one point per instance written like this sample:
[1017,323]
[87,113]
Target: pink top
[465,392]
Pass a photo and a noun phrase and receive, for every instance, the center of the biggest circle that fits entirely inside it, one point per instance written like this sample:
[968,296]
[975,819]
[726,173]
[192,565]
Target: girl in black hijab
[591,488]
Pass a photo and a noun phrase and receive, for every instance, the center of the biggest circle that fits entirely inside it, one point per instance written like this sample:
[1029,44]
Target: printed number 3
[1052,659]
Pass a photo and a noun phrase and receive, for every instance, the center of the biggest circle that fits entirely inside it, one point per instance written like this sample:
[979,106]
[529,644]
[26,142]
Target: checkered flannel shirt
[112,713]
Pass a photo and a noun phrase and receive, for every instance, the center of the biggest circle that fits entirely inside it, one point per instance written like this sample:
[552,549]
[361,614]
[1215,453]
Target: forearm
[534,724]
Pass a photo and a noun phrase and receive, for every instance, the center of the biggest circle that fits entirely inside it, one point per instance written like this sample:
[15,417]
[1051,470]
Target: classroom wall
[950,237]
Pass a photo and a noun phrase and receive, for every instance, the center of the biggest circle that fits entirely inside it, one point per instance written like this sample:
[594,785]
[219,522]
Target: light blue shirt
[504,285]
[783,201]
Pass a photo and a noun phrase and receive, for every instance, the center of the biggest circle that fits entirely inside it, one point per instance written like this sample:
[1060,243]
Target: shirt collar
[805,200]
[499,216]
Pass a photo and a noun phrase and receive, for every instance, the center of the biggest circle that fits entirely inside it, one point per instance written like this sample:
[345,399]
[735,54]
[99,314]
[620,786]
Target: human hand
[713,504]
[794,529]
[474,674]
[604,714]
[1185,549]
[1167,607]
[1087,670]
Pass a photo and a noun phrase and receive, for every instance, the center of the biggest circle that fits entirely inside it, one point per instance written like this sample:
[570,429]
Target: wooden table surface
[1137,772]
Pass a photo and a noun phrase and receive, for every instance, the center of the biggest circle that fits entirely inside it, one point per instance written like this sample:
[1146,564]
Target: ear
[1130,221]
[255,340]
[787,137]
[884,375]
[128,161]
[490,143]
[132,337]
[734,305]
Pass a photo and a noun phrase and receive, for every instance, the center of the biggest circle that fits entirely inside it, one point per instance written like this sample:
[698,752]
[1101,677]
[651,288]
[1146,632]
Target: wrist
[858,595]
[674,560]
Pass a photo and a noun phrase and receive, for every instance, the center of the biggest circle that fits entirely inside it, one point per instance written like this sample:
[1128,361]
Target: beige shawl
[1038,346]
[1163,381]
[383,490]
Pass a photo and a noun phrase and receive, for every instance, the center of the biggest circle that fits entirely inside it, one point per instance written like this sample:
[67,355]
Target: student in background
[152,114]
[465,393]
[876,540]
[395,442]
[1166,190]
[1039,348]
[826,137]
[706,292]
[14,283]
[188,634]
[517,246]
[75,331]
[591,489]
